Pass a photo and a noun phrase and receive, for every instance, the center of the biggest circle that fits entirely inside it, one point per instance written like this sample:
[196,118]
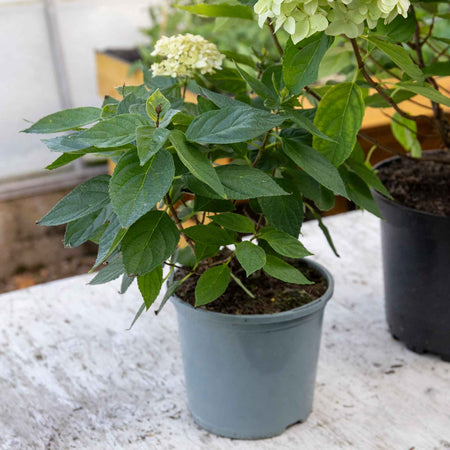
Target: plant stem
[261,149]
[274,37]
[178,221]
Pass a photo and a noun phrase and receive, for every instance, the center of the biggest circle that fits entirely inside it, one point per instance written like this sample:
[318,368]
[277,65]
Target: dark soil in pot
[271,295]
[421,185]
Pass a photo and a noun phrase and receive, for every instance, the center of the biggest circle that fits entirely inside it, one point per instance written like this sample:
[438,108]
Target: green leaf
[85,199]
[244,182]
[325,232]
[235,222]
[126,283]
[110,240]
[210,235]
[425,91]
[212,284]
[114,132]
[219,10]
[137,315]
[212,205]
[250,256]
[301,67]
[231,124]
[114,269]
[359,192]
[157,105]
[399,56]
[135,189]
[149,242]
[277,268]
[398,30]
[149,141]
[405,131]
[315,164]
[150,285]
[80,231]
[197,163]
[258,86]
[300,118]
[437,69]
[284,212]
[241,285]
[203,251]
[240,58]
[64,159]
[339,115]
[368,176]
[65,120]
[283,243]
[67,144]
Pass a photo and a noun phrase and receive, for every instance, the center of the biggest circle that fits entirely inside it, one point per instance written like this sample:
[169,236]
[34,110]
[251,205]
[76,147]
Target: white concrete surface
[72,377]
[29,87]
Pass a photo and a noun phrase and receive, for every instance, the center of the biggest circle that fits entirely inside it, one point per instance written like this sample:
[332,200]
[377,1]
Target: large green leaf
[339,115]
[85,199]
[251,256]
[277,268]
[220,10]
[283,243]
[135,189]
[234,222]
[258,86]
[231,124]
[114,269]
[315,164]
[399,56]
[210,235]
[67,144]
[150,285]
[212,284]
[197,163]
[301,66]
[244,182]
[114,132]
[283,212]
[149,242]
[150,140]
[65,120]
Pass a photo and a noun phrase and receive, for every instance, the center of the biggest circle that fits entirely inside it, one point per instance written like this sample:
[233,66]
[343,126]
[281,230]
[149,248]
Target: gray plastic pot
[251,376]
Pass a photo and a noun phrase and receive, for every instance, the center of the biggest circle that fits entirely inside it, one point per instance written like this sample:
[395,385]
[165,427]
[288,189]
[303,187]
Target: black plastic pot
[416,265]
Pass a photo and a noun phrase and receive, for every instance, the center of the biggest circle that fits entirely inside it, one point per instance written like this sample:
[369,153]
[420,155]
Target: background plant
[290,146]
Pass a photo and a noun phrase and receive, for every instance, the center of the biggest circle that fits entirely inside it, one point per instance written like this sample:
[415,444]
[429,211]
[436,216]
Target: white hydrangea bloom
[184,55]
[303,18]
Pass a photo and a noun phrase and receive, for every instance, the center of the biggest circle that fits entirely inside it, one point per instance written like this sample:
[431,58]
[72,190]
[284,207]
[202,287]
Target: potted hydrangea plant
[243,169]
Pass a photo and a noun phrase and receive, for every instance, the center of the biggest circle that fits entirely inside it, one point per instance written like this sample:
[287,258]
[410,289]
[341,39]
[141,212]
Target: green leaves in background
[85,199]
[231,124]
[212,284]
[277,268]
[65,120]
[136,189]
[339,115]
[283,243]
[301,66]
[315,164]
[425,90]
[150,140]
[250,256]
[114,132]
[220,10]
[197,163]
[150,285]
[149,242]
[405,131]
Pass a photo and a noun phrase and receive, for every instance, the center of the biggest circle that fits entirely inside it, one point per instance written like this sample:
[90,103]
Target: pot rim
[292,314]
[395,203]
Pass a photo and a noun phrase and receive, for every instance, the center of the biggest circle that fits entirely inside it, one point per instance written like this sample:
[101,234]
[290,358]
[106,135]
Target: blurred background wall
[32,65]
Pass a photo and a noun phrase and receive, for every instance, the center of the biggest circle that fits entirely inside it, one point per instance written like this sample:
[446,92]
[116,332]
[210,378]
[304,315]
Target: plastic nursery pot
[416,266]
[251,376]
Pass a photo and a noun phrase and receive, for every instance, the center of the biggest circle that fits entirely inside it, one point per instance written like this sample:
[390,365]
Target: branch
[274,37]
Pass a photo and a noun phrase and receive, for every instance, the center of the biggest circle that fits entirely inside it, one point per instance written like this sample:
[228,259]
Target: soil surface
[271,295]
[421,185]
[29,277]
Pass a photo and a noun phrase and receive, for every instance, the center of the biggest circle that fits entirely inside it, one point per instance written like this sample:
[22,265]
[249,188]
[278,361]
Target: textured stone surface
[71,376]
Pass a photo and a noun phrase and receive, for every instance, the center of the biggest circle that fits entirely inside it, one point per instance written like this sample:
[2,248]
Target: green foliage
[250,157]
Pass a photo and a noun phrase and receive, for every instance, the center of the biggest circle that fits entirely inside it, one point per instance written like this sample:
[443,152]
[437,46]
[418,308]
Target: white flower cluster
[184,54]
[303,18]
